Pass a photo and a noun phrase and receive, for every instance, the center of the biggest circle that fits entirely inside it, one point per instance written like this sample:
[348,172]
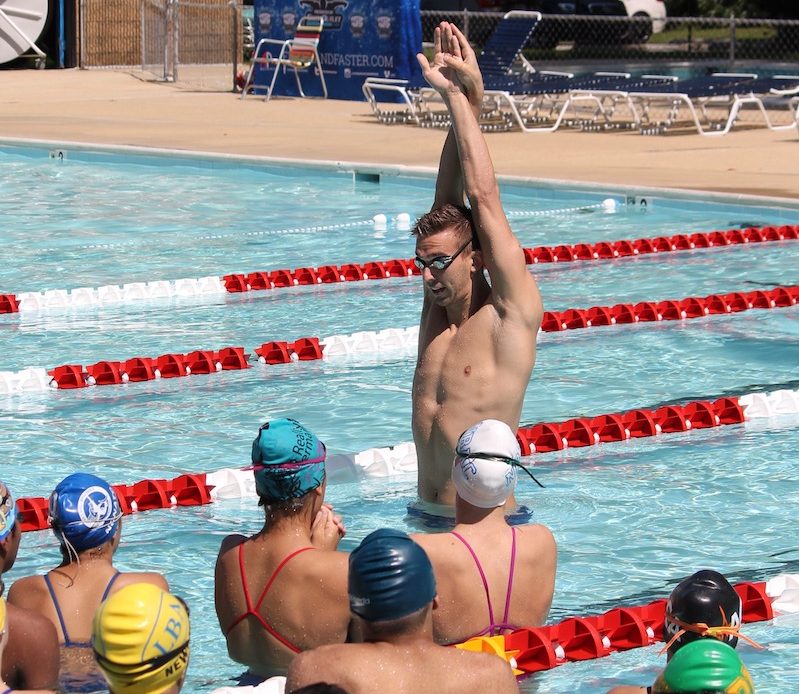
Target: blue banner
[361,38]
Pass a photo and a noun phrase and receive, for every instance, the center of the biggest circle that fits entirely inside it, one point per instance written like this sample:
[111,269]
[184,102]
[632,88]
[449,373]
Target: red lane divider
[546,437]
[309,348]
[671,309]
[398,267]
[185,490]
[619,629]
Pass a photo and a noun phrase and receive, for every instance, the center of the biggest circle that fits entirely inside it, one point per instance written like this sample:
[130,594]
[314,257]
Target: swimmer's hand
[327,529]
[454,67]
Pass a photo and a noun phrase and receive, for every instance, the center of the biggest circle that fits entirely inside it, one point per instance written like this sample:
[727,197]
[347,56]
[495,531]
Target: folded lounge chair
[710,103]
[500,55]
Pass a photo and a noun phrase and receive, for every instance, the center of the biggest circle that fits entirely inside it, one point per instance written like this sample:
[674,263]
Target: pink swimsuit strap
[493,627]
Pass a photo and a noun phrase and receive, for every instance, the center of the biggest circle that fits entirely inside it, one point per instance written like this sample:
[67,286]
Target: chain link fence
[583,43]
[162,36]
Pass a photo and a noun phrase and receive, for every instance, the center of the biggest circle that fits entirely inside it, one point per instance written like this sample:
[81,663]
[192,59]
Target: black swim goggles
[441,262]
[499,459]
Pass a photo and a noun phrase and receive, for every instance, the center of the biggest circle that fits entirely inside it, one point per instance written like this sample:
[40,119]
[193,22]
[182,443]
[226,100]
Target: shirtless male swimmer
[476,340]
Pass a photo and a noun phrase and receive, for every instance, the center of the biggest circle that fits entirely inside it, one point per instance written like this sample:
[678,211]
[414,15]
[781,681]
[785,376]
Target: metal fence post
[732,40]
[82,49]
[466,24]
[236,36]
[143,34]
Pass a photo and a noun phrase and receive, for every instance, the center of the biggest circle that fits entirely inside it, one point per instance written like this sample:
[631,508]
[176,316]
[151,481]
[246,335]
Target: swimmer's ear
[435,601]
[477,259]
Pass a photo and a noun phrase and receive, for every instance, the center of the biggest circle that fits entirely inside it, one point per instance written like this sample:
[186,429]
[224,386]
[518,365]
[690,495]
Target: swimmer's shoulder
[27,592]
[231,542]
[484,672]
[131,577]
[541,543]
[332,663]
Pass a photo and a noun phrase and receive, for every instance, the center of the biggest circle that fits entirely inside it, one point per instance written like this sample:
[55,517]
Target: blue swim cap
[84,511]
[390,577]
[288,460]
[8,512]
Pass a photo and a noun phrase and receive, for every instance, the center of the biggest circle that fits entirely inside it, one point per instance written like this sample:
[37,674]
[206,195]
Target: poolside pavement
[122,107]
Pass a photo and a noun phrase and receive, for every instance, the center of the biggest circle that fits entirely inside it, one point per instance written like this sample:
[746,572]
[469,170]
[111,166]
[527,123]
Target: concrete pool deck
[117,107]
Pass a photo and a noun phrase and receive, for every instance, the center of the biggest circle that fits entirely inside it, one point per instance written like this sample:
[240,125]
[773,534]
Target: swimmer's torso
[465,374]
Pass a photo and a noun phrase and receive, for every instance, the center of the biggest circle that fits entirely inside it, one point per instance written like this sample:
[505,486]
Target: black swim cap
[390,577]
[704,598]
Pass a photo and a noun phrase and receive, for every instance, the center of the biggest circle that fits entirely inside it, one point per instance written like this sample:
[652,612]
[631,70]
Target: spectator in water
[284,589]
[511,566]
[392,597]
[86,518]
[30,659]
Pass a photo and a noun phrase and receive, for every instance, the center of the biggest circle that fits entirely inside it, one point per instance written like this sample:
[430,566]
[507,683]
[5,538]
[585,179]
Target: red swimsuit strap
[253,611]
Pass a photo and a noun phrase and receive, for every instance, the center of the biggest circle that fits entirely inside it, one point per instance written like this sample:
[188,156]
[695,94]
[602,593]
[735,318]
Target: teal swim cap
[390,577]
[8,512]
[287,459]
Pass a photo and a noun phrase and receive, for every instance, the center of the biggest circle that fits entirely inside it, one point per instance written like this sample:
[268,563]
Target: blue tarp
[361,38]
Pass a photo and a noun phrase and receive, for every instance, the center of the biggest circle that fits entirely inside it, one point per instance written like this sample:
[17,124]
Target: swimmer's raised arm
[449,183]
[513,286]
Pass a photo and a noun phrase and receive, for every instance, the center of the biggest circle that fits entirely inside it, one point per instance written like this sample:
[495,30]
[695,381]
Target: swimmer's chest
[453,354]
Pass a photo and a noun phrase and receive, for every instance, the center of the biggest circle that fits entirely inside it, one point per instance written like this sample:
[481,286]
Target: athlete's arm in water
[514,290]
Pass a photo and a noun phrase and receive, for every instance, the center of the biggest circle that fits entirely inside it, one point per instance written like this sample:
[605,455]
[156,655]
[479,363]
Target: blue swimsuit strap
[8,691]
[69,643]
[108,587]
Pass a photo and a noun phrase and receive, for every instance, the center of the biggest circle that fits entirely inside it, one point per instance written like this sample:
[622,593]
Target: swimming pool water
[631,519]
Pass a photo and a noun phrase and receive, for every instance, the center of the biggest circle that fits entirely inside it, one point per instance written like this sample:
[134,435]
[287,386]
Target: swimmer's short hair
[455,217]
[387,628]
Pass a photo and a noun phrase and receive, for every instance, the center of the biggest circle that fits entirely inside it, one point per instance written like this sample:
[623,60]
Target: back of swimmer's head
[288,461]
[704,599]
[390,577]
[84,512]
[706,666]
[140,637]
[483,471]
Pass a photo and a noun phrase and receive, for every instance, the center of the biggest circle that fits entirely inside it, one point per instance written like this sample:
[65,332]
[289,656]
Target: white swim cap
[482,472]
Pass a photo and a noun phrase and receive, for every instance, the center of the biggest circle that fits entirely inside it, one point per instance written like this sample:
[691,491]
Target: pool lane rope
[196,489]
[380,222]
[86,297]
[391,340]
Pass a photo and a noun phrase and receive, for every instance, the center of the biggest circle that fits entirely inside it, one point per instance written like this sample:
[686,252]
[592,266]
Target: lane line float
[86,297]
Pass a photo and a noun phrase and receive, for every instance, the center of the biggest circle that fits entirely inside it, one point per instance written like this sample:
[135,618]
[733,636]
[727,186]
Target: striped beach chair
[298,54]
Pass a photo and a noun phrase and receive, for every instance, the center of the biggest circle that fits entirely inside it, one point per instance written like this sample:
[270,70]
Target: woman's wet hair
[455,217]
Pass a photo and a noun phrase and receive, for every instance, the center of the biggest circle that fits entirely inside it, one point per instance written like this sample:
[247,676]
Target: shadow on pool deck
[128,108]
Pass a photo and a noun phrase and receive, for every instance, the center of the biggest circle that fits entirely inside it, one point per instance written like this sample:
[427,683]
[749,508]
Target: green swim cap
[706,665]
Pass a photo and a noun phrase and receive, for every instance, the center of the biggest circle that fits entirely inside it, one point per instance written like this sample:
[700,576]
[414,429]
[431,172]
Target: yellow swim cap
[2,615]
[140,637]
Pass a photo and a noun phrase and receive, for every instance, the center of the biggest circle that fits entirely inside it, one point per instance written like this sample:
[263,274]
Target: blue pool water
[631,519]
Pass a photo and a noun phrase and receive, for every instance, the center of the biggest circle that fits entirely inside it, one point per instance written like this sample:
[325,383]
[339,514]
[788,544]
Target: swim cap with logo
[84,511]
[140,637]
[8,512]
[288,460]
[390,577]
[706,599]
[483,473]
[707,665]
